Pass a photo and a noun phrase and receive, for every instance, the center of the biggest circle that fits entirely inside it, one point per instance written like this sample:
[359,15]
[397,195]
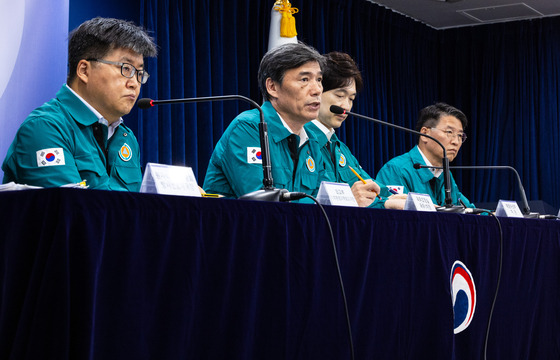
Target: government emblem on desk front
[463,294]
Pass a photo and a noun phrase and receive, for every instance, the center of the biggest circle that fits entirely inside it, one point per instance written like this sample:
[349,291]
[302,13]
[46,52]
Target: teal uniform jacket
[400,171]
[55,146]
[235,169]
[338,160]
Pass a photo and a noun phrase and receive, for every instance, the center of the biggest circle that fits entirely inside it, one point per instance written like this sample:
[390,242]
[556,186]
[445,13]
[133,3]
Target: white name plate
[419,202]
[508,208]
[337,194]
[169,180]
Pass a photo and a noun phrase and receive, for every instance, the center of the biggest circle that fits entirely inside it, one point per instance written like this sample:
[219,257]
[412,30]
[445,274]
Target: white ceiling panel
[441,14]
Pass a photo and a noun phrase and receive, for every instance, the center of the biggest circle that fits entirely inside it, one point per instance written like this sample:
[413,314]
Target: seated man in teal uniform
[341,82]
[290,81]
[446,124]
[79,135]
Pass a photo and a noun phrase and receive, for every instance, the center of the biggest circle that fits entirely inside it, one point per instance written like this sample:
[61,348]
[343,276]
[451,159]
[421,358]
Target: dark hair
[95,38]
[277,61]
[339,72]
[430,115]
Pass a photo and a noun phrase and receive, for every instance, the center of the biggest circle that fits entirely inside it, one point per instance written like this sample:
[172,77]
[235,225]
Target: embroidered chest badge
[125,152]
[310,164]
[342,160]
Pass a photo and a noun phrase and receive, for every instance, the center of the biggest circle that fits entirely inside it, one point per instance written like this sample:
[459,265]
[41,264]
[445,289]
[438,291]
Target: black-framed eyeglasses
[127,70]
[453,134]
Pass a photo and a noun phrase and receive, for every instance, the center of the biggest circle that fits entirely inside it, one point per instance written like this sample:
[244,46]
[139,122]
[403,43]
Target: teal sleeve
[378,203]
[24,159]
[230,172]
[391,174]
[383,193]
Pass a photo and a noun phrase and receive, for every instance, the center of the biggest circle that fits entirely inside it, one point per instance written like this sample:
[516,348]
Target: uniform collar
[425,174]
[77,107]
[279,130]
[316,133]
[325,130]
[435,172]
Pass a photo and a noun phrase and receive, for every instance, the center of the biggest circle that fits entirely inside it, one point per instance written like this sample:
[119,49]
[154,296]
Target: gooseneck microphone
[445,161]
[525,210]
[268,192]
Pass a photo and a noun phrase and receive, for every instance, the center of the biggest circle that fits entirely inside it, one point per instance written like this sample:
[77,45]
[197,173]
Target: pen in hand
[362,179]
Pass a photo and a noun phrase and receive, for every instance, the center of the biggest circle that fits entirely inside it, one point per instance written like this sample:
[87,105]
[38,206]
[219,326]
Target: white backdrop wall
[33,57]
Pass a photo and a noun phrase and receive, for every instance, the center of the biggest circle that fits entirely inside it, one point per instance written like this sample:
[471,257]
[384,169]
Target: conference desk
[91,274]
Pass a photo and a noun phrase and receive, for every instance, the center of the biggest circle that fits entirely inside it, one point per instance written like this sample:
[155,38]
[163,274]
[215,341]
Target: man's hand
[396,201]
[365,193]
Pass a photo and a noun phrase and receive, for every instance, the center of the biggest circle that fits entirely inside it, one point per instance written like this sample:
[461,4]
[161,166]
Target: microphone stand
[526,210]
[448,206]
[268,192]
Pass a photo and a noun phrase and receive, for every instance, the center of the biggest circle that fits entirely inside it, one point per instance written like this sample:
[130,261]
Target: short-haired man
[445,123]
[79,135]
[290,81]
[341,82]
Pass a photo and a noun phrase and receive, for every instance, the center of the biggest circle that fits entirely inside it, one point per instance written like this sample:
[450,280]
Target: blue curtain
[506,77]
[503,76]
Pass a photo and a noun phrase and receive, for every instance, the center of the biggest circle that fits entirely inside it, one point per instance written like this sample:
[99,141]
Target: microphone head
[337,110]
[145,103]
[417,166]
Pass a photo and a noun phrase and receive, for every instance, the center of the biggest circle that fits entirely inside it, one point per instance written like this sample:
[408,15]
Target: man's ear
[272,87]
[83,70]
[424,130]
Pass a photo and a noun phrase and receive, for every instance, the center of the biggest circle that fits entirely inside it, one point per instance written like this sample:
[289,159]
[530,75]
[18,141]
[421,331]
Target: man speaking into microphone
[446,124]
[290,81]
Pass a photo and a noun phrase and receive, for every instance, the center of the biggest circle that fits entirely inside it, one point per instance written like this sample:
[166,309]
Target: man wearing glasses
[446,124]
[80,135]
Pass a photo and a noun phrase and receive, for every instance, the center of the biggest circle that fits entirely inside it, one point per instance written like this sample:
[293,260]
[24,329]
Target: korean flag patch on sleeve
[50,157]
[254,155]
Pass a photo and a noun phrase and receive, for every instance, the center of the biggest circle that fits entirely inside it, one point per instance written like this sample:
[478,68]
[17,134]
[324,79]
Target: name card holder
[169,180]
[338,194]
[508,208]
[419,202]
